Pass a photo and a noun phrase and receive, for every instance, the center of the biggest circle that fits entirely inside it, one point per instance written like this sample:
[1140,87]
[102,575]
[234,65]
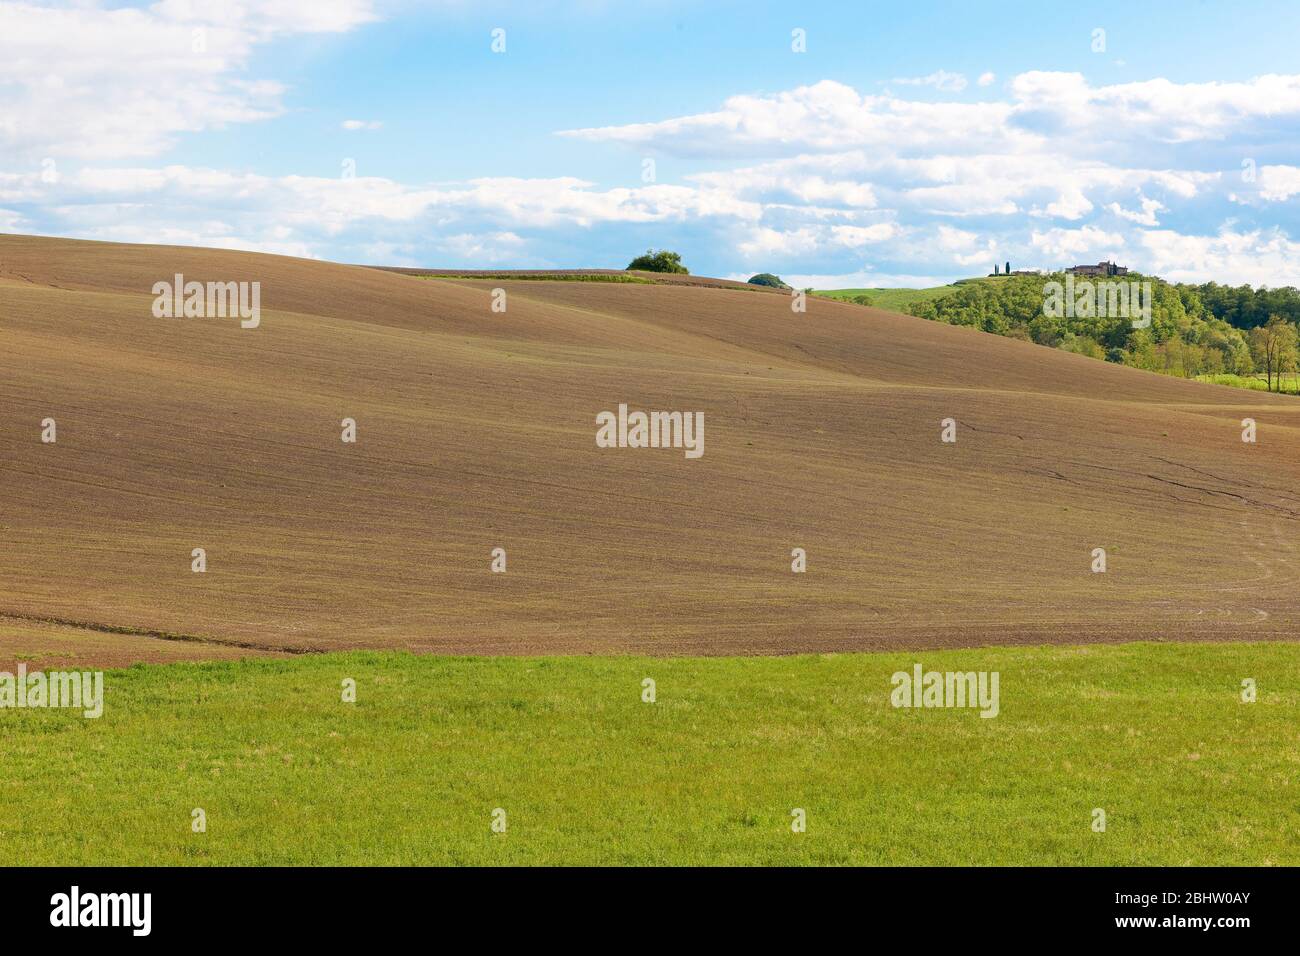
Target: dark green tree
[661,261]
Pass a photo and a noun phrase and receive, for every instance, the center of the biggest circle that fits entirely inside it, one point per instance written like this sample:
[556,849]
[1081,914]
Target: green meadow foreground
[1157,735]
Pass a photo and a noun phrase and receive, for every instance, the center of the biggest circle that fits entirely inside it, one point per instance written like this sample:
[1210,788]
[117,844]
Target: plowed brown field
[476,430]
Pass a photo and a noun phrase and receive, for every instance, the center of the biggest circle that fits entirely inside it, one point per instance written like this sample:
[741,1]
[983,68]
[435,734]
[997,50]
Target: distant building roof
[1100,269]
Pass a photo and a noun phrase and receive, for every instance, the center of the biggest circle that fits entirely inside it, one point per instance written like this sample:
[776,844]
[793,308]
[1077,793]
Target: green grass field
[1289,383]
[894,300]
[544,277]
[1155,734]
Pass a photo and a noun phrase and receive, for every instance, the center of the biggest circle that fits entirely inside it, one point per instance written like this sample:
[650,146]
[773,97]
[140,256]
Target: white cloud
[175,67]
[940,79]
[1044,184]
[1157,109]
[1070,204]
[1259,257]
[1058,148]
[808,180]
[768,243]
[1068,243]
[956,240]
[266,17]
[854,236]
[1144,217]
[11,221]
[1279,183]
[1061,107]
[491,248]
[987,79]
[299,215]
[864,279]
[355,124]
[965,248]
[826,116]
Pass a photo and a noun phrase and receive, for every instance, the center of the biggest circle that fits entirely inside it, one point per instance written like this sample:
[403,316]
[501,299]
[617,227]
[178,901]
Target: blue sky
[908,143]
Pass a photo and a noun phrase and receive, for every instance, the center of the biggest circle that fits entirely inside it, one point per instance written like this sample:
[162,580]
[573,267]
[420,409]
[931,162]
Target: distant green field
[894,300]
[1289,384]
[1156,735]
[543,277]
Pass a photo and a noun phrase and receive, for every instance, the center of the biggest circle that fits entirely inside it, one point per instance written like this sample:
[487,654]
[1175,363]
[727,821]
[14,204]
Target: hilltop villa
[1100,269]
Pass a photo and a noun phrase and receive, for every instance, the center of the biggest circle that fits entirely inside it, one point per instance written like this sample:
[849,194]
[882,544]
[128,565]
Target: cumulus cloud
[814,181]
[1158,109]
[1279,183]
[966,248]
[765,242]
[862,279]
[355,124]
[854,236]
[954,239]
[831,116]
[1072,155]
[826,116]
[175,67]
[493,247]
[1258,257]
[1146,216]
[299,215]
[1068,243]
[940,80]
[1040,184]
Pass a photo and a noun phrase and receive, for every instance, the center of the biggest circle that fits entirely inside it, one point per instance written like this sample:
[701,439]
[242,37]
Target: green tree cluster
[661,261]
[1193,331]
[1243,307]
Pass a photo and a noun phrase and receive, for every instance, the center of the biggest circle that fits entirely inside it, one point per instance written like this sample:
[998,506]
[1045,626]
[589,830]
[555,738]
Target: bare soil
[476,430]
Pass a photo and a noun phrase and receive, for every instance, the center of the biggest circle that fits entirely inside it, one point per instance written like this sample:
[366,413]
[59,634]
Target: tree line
[1194,330]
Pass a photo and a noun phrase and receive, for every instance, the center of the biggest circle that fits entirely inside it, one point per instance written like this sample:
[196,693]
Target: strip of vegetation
[585,771]
[1287,385]
[540,277]
[895,300]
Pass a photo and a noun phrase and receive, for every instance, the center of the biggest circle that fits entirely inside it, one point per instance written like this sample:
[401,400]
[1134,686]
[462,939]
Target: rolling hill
[476,431]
